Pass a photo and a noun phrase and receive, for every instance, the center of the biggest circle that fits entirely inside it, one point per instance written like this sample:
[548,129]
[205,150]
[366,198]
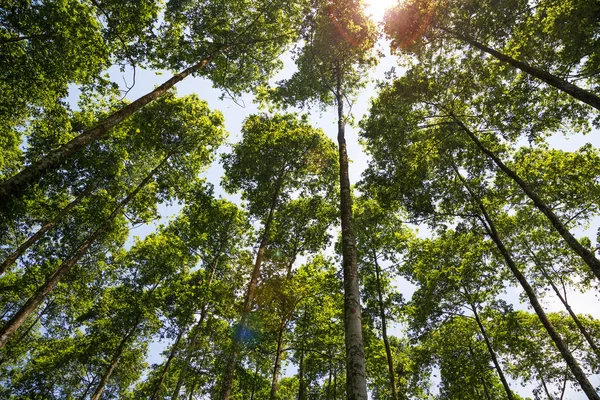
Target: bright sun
[377,8]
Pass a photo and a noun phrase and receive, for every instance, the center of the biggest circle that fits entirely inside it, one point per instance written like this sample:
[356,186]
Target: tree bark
[14,187]
[490,229]
[243,325]
[492,353]
[587,256]
[113,363]
[277,365]
[34,301]
[197,330]
[481,378]
[165,369]
[575,91]
[578,323]
[301,385]
[386,342]
[12,258]
[356,381]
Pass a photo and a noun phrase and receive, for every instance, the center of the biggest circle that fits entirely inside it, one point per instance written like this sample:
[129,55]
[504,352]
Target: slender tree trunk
[254,382]
[197,330]
[543,383]
[330,373]
[587,256]
[356,381]
[301,385]
[580,326]
[485,388]
[243,325]
[24,335]
[14,187]
[493,356]
[575,91]
[12,258]
[34,301]
[490,228]
[277,365]
[165,369]
[562,299]
[87,389]
[113,363]
[386,342]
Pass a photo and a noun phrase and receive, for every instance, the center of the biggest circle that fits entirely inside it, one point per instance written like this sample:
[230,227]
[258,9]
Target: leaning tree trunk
[277,364]
[575,91]
[197,329]
[12,258]
[356,381]
[113,363]
[386,342]
[563,300]
[165,369]
[492,353]
[34,301]
[14,188]
[587,256]
[301,384]
[481,378]
[243,325]
[490,228]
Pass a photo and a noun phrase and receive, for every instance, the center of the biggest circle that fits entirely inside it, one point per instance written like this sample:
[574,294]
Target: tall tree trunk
[243,325]
[386,342]
[481,378]
[197,330]
[301,385]
[330,373]
[543,382]
[14,188]
[490,229]
[563,300]
[492,353]
[587,256]
[12,258]
[277,363]
[356,380]
[113,363]
[254,381]
[165,369]
[575,91]
[34,301]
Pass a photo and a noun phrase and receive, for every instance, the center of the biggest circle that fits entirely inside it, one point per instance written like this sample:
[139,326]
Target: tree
[224,44]
[338,41]
[300,158]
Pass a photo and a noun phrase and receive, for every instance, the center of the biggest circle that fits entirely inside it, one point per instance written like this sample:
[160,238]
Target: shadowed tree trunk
[386,342]
[301,385]
[34,301]
[492,353]
[587,256]
[113,363]
[563,300]
[243,325]
[12,258]
[165,370]
[490,229]
[575,91]
[197,329]
[14,188]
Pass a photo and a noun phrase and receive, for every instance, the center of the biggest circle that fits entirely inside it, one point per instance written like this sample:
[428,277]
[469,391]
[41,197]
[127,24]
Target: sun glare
[377,8]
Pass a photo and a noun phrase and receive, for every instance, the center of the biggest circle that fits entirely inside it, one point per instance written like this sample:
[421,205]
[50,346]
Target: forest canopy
[154,246]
